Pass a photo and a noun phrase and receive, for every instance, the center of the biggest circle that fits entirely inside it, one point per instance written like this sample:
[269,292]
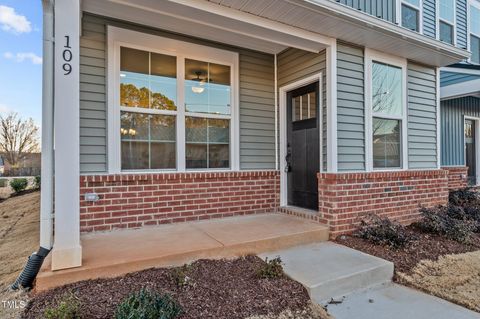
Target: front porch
[115,253]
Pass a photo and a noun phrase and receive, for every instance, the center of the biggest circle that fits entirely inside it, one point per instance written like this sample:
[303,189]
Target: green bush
[146,304]
[271,269]
[3,182]
[19,184]
[180,275]
[385,232]
[67,308]
[449,221]
[37,182]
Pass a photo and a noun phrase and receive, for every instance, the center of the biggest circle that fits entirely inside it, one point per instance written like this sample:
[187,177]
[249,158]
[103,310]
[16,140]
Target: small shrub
[464,197]
[384,231]
[449,221]
[180,275]
[271,268]
[37,182]
[68,308]
[18,184]
[146,304]
[3,182]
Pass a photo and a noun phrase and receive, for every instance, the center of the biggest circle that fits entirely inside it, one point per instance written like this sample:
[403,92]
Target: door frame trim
[283,127]
[477,145]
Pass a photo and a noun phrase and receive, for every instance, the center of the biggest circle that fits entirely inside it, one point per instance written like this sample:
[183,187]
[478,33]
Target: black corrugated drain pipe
[30,272]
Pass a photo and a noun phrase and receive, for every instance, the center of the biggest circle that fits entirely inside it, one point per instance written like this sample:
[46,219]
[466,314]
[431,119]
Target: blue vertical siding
[429,18]
[384,9]
[452,135]
[461,23]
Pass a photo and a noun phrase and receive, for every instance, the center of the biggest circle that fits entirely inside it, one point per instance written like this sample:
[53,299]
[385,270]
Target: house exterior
[182,110]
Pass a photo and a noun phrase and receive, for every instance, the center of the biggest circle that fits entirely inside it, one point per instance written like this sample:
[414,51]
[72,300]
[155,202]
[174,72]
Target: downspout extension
[35,261]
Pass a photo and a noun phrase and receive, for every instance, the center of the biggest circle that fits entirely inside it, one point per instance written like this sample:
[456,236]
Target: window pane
[475,20]
[386,89]
[207,87]
[446,32]
[207,143]
[386,143]
[134,74]
[148,141]
[475,48]
[447,10]
[147,80]
[413,2]
[163,82]
[304,106]
[409,18]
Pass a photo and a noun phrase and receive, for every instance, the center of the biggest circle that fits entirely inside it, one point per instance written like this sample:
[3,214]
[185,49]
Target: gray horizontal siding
[449,78]
[422,111]
[461,23]
[350,108]
[429,18]
[257,114]
[452,135]
[293,65]
[93,116]
[384,9]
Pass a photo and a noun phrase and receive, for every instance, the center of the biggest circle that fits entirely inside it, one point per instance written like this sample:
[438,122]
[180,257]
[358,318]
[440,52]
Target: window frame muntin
[118,37]
[372,56]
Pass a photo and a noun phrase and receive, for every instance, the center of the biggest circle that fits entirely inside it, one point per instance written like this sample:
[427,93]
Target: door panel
[303,147]
[470,151]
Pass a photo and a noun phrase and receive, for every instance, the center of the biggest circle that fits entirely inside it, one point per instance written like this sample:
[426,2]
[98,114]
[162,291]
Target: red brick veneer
[136,200]
[344,198]
[457,176]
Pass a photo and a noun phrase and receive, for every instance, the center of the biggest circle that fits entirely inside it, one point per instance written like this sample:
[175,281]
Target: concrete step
[329,270]
[118,252]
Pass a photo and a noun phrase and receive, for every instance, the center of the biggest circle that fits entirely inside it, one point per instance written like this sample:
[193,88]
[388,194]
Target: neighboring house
[460,120]
[184,110]
[29,165]
[2,165]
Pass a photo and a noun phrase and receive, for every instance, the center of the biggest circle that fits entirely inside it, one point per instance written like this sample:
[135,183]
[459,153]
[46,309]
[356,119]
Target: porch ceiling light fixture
[198,89]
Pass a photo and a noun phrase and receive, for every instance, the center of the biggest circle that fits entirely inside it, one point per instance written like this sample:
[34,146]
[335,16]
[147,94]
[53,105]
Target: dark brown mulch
[426,246]
[218,289]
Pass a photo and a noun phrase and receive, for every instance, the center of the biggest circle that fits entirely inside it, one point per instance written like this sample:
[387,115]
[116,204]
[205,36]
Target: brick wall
[136,200]
[457,176]
[345,198]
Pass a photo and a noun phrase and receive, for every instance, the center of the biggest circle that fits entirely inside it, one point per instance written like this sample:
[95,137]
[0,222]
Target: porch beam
[67,251]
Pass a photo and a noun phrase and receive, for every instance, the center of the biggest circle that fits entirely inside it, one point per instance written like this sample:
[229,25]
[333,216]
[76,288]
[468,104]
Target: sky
[21,58]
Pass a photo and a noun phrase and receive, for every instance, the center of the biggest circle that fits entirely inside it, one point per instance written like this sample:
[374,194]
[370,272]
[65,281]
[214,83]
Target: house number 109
[67,56]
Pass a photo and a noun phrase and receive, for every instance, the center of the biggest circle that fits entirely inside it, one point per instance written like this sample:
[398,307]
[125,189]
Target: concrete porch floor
[119,252]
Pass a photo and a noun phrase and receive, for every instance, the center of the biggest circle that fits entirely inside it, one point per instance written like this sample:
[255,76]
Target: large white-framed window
[411,14]
[446,19]
[385,112]
[474,30]
[172,104]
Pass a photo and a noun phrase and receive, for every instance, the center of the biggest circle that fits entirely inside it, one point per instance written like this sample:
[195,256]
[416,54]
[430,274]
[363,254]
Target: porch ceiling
[231,27]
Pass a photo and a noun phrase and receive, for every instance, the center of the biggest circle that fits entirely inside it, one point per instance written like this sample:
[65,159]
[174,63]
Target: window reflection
[386,143]
[386,89]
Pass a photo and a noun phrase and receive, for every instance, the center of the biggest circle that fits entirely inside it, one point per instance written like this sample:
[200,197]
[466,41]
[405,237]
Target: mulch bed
[217,289]
[426,246]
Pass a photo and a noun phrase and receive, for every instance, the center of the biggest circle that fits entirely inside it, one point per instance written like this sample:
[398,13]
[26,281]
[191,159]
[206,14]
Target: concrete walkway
[397,302]
[115,253]
[362,283]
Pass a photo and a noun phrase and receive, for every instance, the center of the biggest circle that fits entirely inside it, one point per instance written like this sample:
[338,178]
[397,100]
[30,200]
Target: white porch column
[67,252]
[332,162]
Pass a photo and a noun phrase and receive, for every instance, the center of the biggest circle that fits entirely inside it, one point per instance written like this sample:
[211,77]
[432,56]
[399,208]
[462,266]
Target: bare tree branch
[18,138]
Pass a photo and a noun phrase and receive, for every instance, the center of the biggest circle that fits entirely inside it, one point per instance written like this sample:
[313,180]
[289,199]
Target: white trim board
[118,37]
[460,89]
[283,128]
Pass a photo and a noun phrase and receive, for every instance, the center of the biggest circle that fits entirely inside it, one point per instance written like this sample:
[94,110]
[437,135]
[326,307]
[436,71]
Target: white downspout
[276,111]
[46,197]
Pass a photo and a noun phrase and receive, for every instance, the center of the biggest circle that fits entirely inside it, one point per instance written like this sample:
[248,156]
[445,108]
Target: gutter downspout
[275,64]
[35,261]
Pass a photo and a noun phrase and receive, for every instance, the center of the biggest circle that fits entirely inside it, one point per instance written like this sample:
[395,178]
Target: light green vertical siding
[422,112]
[350,108]
[257,112]
[295,64]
